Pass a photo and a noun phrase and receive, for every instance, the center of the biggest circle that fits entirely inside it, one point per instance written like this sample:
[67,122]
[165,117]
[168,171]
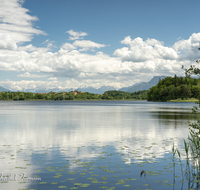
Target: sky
[79,43]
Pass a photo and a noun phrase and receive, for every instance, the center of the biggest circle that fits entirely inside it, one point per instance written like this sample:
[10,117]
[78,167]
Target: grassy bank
[184,100]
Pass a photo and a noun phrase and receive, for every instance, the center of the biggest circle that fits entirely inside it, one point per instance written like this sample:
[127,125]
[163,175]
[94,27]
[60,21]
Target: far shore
[76,100]
[177,100]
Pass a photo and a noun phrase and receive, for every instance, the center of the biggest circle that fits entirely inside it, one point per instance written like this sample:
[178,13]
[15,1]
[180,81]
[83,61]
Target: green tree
[71,97]
[21,96]
[48,96]
[175,81]
[39,96]
[3,95]
[195,91]
[60,97]
[16,97]
[10,95]
[186,92]
[28,95]
[174,88]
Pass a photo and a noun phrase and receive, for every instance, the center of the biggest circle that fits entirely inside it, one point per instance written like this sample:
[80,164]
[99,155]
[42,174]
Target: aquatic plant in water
[192,154]
[192,146]
[144,172]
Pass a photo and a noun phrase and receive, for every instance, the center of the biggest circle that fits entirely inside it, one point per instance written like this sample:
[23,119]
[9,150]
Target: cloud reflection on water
[139,131]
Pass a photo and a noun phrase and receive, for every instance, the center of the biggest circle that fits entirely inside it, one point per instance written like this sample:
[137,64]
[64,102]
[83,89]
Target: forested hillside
[173,88]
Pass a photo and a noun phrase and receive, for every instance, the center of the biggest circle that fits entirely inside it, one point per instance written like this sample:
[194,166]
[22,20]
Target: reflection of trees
[173,119]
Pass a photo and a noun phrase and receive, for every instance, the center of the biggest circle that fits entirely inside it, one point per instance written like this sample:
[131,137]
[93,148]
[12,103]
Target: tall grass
[192,153]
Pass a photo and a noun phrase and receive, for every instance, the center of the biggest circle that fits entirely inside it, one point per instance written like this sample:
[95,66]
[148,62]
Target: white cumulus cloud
[68,46]
[140,51]
[53,78]
[188,49]
[139,60]
[87,44]
[15,21]
[7,42]
[76,35]
[29,75]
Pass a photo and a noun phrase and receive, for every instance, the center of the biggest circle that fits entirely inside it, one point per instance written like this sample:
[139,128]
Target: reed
[144,172]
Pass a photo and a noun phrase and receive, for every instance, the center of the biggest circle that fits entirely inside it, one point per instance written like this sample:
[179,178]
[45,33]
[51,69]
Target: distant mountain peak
[143,85]
[2,89]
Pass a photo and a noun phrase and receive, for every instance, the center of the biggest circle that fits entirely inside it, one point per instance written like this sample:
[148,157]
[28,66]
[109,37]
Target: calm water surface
[91,144]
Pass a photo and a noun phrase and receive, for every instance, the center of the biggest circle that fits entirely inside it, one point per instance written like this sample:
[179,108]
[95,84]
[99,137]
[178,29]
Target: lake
[92,144]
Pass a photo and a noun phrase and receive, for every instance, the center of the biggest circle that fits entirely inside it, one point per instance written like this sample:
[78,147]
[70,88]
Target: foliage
[192,153]
[121,95]
[175,87]
[108,95]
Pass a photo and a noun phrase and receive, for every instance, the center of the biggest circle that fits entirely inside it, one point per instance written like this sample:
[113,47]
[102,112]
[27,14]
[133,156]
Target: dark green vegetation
[47,96]
[120,95]
[174,88]
[76,95]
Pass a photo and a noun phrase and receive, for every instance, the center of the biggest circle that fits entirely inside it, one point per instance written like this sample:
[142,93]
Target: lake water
[92,144]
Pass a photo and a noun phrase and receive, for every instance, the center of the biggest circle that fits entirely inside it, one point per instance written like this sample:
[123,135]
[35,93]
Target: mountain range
[2,89]
[135,87]
[145,85]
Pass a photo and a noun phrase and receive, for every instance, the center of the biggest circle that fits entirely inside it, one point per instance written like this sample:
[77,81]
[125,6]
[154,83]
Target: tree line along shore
[74,95]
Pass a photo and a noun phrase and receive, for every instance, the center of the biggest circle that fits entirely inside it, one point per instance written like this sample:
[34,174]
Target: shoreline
[188,100]
[73,100]
[191,100]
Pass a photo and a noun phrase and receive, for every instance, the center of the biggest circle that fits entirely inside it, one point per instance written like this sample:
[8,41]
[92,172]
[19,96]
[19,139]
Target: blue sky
[70,44]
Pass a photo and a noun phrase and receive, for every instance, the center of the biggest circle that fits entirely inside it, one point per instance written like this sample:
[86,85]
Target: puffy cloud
[137,61]
[68,46]
[31,48]
[140,51]
[87,44]
[76,35]
[166,52]
[53,78]
[84,44]
[188,49]
[7,42]
[28,75]
[15,21]
[192,42]
[31,84]
[49,44]
[24,61]
[140,61]
[153,42]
